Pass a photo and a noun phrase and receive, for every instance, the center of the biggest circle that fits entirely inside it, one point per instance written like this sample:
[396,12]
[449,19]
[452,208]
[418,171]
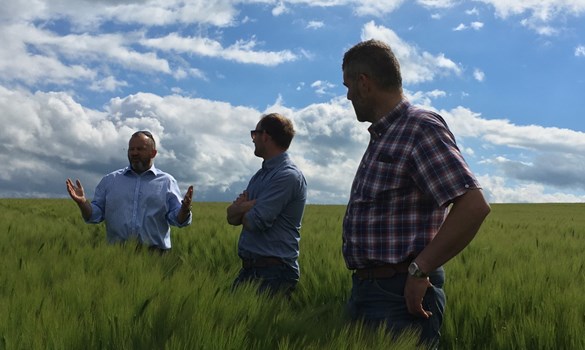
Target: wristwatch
[415,271]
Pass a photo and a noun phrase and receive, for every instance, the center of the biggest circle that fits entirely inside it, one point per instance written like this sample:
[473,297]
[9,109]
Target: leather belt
[264,261]
[382,271]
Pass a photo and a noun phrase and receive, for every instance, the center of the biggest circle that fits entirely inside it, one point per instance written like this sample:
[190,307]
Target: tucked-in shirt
[138,206]
[274,223]
[410,172]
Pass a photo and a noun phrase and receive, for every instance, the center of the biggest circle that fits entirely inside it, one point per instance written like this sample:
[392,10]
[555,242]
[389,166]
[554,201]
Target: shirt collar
[152,169]
[273,162]
[378,128]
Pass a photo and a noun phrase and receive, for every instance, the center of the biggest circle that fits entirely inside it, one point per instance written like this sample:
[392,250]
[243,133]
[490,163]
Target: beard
[139,165]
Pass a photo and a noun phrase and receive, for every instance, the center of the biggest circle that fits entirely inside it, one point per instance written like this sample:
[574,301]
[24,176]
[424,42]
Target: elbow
[484,208]
[481,210]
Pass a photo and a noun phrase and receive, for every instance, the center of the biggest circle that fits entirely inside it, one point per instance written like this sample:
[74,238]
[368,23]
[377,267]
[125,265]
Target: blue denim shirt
[274,223]
[138,206]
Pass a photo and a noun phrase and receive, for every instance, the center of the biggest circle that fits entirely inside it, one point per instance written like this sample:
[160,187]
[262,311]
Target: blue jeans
[381,302]
[273,279]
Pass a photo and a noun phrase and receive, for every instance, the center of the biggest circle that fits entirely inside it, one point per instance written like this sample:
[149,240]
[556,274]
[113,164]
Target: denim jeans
[273,279]
[381,302]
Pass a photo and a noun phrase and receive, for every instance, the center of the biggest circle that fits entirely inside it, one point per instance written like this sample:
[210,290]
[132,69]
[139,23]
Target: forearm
[183,214]
[85,208]
[460,227]
[235,214]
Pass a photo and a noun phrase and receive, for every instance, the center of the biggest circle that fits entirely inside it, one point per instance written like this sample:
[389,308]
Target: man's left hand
[186,202]
[414,292]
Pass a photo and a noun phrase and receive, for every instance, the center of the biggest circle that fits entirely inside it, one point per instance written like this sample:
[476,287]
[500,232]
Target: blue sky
[77,77]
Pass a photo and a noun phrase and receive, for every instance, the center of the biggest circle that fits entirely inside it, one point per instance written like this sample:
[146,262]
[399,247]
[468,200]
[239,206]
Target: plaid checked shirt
[410,173]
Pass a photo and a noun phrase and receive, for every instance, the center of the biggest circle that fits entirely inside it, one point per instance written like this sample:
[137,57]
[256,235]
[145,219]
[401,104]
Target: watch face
[412,268]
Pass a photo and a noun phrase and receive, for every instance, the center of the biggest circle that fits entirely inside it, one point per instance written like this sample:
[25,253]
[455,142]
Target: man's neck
[271,155]
[386,103]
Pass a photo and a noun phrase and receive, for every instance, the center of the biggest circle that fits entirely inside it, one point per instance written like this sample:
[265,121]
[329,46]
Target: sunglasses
[254,132]
[145,133]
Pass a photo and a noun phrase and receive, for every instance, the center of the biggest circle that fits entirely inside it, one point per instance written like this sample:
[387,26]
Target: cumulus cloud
[580,51]
[417,66]
[549,156]
[539,14]
[242,51]
[86,14]
[199,142]
[501,190]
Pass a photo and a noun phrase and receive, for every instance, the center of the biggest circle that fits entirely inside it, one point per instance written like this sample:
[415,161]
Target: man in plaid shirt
[414,202]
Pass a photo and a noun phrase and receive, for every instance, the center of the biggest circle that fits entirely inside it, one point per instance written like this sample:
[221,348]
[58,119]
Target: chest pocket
[154,197]
[385,176]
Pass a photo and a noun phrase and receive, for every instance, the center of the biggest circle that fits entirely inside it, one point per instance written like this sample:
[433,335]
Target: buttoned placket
[134,223]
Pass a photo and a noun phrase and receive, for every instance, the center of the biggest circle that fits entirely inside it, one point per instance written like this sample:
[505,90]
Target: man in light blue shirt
[138,202]
[270,211]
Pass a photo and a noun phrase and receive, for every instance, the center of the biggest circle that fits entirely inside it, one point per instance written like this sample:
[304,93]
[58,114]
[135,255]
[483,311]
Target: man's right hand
[76,191]
[239,207]
[78,195]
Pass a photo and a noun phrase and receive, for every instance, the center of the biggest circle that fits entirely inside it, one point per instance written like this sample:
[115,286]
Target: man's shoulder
[424,117]
[117,172]
[289,168]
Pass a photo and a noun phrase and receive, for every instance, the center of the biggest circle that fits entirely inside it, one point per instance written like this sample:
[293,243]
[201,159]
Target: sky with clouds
[78,77]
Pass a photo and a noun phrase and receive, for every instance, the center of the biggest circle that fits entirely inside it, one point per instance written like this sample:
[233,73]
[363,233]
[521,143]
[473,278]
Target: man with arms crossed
[398,230]
[137,202]
[270,211]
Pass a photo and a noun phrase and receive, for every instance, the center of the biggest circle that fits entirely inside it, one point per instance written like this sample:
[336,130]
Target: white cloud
[543,10]
[499,190]
[315,25]
[376,7]
[460,27]
[241,51]
[107,84]
[472,25]
[200,144]
[476,25]
[473,12]
[416,66]
[580,51]
[86,14]
[539,13]
[322,87]
[424,98]
[478,74]
[279,9]
[539,28]
[437,3]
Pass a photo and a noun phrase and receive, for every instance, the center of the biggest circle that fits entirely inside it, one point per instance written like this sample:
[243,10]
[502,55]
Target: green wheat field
[519,285]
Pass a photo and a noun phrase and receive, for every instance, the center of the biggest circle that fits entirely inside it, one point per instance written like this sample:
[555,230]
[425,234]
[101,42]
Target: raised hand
[76,191]
[188,198]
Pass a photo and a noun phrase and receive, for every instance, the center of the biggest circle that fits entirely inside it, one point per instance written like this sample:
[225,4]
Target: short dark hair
[147,134]
[375,59]
[279,128]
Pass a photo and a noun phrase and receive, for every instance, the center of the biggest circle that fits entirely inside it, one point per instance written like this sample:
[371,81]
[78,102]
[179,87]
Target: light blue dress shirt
[274,223]
[138,206]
